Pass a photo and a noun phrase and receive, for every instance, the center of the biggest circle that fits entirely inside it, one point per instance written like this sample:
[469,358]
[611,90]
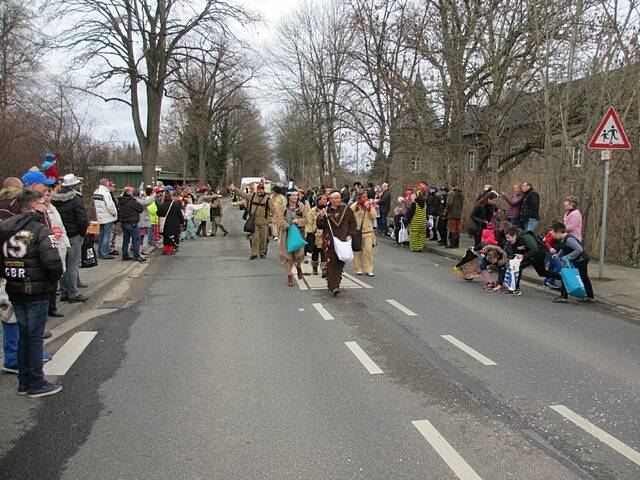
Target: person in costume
[258,204]
[314,236]
[417,218]
[293,214]
[337,220]
[365,214]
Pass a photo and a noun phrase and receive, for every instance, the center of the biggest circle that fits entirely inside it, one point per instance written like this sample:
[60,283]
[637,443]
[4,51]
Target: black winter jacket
[385,202]
[32,264]
[71,210]
[530,208]
[129,209]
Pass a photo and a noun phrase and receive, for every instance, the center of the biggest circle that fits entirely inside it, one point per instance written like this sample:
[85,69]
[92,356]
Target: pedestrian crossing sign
[610,134]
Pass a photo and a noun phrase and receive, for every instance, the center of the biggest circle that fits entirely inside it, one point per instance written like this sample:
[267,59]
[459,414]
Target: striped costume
[418,228]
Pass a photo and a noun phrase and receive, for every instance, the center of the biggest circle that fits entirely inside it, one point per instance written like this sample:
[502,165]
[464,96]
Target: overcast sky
[112,121]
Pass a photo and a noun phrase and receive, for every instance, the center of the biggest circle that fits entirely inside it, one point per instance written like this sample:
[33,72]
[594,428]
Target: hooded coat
[71,210]
[33,264]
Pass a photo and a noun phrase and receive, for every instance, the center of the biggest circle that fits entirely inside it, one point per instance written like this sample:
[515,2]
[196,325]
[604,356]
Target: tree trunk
[202,159]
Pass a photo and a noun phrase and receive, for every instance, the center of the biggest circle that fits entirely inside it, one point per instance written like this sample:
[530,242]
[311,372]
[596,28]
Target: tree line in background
[464,92]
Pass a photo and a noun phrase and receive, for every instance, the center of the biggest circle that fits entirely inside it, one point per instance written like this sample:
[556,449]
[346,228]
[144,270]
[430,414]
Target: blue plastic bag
[572,281]
[294,239]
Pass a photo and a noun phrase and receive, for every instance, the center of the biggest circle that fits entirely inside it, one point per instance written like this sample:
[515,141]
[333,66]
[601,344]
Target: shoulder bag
[356,238]
[162,220]
[343,250]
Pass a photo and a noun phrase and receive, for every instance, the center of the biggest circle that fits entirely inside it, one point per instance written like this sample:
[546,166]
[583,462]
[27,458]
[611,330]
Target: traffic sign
[610,134]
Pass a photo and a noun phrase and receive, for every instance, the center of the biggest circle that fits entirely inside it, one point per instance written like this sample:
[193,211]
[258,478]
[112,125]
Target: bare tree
[207,77]
[135,42]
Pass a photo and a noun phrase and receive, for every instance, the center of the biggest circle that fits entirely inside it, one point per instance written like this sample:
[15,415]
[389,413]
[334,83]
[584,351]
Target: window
[472,160]
[578,156]
[417,164]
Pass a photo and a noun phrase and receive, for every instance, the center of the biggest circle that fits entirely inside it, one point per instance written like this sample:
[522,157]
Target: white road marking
[69,353]
[361,355]
[356,280]
[323,311]
[600,434]
[402,308]
[316,282]
[468,350]
[76,321]
[301,283]
[452,458]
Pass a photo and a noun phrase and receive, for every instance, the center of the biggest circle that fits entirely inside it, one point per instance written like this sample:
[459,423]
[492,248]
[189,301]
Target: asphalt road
[218,370]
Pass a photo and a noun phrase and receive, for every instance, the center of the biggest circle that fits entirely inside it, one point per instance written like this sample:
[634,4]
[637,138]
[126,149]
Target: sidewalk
[100,280]
[619,288]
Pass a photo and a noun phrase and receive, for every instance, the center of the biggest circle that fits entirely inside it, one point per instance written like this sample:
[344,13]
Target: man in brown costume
[258,204]
[341,220]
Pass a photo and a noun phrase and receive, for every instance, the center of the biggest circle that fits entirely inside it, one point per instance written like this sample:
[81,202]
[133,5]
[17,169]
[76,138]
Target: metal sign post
[609,135]
[606,158]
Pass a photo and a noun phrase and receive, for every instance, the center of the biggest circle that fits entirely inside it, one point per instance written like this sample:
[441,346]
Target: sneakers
[22,389]
[560,300]
[551,285]
[358,273]
[513,292]
[489,286]
[370,274]
[46,357]
[45,390]
[10,370]
[587,300]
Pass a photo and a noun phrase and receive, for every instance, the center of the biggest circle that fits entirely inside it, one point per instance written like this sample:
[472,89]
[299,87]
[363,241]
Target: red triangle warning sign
[610,134]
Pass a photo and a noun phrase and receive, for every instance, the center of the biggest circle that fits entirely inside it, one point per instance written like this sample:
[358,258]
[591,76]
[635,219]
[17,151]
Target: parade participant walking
[571,249]
[107,215]
[292,215]
[69,204]
[314,236]
[365,215]
[453,213]
[31,265]
[216,215]
[259,205]
[417,219]
[170,210]
[336,220]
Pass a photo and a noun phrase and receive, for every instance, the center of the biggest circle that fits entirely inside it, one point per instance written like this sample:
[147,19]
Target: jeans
[69,281]
[382,224]
[150,235]
[10,336]
[539,266]
[553,265]
[31,316]
[130,233]
[532,225]
[104,240]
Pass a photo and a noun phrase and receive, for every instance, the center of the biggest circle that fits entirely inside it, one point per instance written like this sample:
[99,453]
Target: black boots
[454,240]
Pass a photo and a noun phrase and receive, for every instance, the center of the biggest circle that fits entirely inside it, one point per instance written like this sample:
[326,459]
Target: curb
[529,278]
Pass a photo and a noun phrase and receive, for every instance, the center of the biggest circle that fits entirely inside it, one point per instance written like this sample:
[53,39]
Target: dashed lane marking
[323,311]
[468,350]
[452,458]
[402,308]
[600,434]
[355,280]
[316,282]
[365,360]
[69,353]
